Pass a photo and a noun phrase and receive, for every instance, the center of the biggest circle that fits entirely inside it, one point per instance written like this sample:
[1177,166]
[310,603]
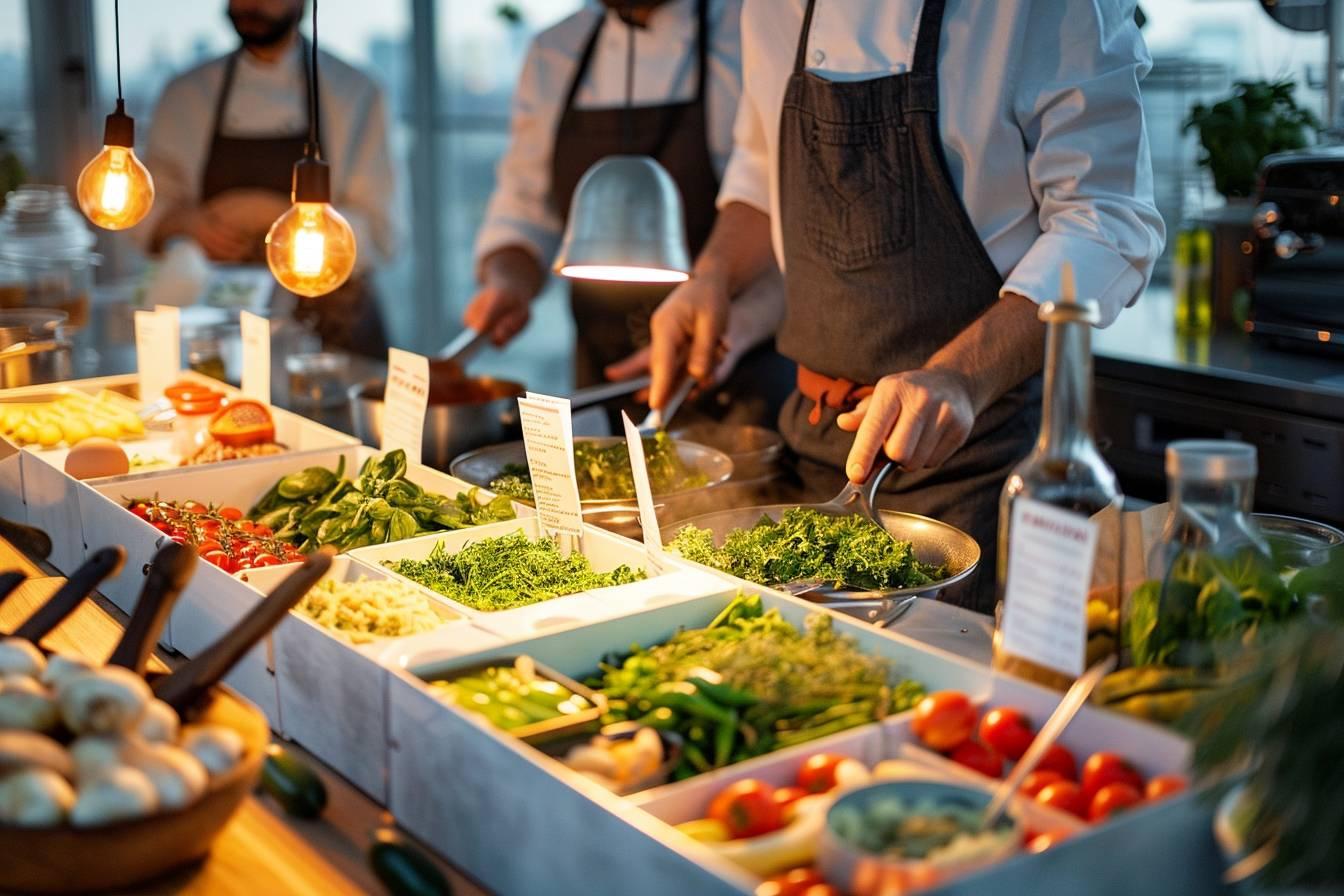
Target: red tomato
[1006,732]
[293,555]
[787,796]
[246,526]
[206,545]
[1059,759]
[1163,786]
[140,509]
[1108,768]
[944,720]
[818,773]
[747,808]
[263,531]
[821,890]
[1065,796]
[792,883]
[194,507]
[165,527]
[220,559]
[264,559]
[1039,780]
[976,755]
[1042,842]
[232,514]
[1111,799]
[209,524]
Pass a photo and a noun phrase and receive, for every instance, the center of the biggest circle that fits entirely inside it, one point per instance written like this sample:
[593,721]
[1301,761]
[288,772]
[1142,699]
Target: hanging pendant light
[626,221]
[310,248]
[115,190]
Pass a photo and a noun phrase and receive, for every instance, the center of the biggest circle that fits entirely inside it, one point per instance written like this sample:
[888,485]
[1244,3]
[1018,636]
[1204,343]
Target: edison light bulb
[115,190]
[311,249]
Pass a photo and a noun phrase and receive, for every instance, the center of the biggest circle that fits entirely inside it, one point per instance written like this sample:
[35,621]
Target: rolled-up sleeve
[746,178]
[520,212]
[1081,115]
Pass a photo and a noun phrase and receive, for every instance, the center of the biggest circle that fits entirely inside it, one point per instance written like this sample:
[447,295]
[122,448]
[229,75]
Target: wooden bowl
[84,860]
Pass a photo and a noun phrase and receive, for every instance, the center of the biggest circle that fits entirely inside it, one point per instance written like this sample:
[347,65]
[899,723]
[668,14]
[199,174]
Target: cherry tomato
[1039,780]
[264,559]
[1059,759]
[209,524]
[1042,842]
[246,526]
[1162,786]
[787,796]
[179,539]
[140,509]
[976,755]
[194,507]
[1006,732]
[206,545]
[163,526]
[1065,796]
[944,720]
[1108,768]
[262,531]
[294,555]
[792,883]
[818,773]
[821,890]
[232,514]
[747,808]
[1111,799]
[220,559]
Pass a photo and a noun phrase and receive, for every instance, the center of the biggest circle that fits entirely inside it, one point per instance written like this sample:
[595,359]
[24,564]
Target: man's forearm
[513,268]
[1000,349]
[738,250]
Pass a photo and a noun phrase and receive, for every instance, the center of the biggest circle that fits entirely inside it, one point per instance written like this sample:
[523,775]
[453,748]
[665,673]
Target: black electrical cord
[116,31]
[627,136]
[314,127]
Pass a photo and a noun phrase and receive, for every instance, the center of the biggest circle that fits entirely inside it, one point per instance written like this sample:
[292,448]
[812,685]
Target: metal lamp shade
[625,224]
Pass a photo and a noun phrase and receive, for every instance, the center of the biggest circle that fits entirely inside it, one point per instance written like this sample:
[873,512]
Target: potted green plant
[1277,732]
[1236,133]
[12,173]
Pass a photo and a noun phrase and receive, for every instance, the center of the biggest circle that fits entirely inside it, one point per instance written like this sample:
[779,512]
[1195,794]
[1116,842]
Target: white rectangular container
[604,550]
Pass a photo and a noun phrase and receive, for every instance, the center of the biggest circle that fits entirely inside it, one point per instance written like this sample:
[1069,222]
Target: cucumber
[404,869]
[292,784]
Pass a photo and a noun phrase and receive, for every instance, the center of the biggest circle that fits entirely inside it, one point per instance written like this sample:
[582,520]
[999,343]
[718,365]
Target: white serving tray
[49,495]
[333,693]
[605,550]
[445,768]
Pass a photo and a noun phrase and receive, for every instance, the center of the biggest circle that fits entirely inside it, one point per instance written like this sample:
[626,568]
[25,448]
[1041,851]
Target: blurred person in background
[568,113]
[223,141]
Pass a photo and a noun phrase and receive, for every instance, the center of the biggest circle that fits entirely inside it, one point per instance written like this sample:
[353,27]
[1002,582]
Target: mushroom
[159,724]
[28,749]
[25,704]
[60,667]
[118,794]
[35,798]
[94,754]
[102,701]
[179,778]
[20,656]
[218,748]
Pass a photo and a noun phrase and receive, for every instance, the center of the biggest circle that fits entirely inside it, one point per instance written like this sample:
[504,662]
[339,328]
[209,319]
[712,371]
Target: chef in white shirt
[223,141]
[569,112]
[921,171]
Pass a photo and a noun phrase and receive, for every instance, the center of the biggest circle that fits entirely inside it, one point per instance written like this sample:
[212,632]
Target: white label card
[158,351]
[549,438]
[404,402]
[1050,556]
[648,519]
[256,336]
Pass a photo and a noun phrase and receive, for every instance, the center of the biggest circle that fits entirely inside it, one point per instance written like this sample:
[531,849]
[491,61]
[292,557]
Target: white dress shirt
[520,212]
[1040,118]
[270,100]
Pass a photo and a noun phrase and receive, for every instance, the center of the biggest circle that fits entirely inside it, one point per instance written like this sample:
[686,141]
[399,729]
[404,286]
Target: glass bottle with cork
[1058,610]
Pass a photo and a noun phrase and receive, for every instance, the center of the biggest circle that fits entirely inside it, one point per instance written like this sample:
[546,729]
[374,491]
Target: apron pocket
[859,177]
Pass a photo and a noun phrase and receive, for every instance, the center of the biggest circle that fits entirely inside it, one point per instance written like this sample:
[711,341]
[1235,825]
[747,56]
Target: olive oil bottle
[1052,595]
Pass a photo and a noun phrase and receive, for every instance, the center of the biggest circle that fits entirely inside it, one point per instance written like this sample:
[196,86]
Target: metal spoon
[1054,726]
[169,572]
[451,362]
[661,418]
[104,563]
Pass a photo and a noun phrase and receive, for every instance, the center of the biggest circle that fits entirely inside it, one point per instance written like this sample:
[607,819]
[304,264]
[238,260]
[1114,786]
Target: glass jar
[46,253]
[195,405]
[1212,580]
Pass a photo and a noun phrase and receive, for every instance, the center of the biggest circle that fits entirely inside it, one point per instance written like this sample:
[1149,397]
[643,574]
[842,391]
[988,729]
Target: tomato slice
[243,422]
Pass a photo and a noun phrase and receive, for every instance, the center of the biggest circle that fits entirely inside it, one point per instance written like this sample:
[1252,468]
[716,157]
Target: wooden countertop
[262,851]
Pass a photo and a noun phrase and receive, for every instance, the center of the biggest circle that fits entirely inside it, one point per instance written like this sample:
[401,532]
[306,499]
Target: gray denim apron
[348,317]
[883,268]
[612,320]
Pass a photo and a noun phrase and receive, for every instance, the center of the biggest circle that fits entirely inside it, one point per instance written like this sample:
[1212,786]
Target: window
[16,107]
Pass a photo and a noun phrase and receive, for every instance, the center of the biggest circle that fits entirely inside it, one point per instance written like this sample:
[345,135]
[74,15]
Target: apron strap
[226,88]
[702,51]
[584,59]
[800,57]
[928,36]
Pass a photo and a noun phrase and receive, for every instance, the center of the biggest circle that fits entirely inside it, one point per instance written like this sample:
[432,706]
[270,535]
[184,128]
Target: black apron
[884,267]
[346,318]
[612,320]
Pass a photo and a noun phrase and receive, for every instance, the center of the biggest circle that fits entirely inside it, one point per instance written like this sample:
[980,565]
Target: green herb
[1259,118]
[507,572]
[805,545]
[318,506]
[750,683]
[604,471]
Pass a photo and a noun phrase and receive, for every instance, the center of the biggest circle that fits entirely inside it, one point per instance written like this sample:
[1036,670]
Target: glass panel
[16,104]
